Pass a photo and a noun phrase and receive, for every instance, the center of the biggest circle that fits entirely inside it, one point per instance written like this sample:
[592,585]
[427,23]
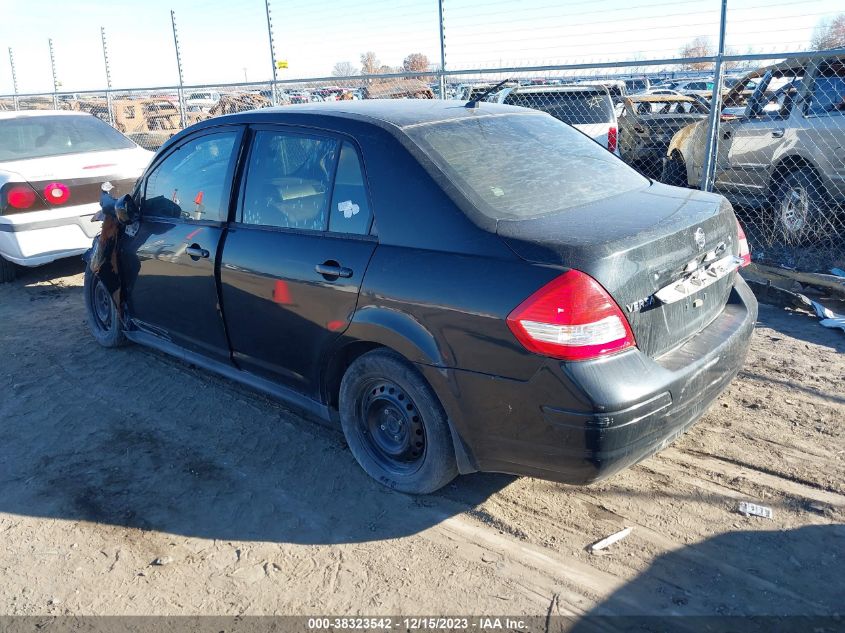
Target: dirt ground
[131,483]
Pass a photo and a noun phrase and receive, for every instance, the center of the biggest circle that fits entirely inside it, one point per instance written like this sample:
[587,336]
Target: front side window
[191,183]
[288,181]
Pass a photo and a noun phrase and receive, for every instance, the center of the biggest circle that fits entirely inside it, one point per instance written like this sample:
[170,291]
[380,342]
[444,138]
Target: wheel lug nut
[383,428]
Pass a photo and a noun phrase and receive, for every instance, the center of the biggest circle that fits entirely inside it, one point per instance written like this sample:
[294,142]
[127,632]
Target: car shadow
[801,326]
[54,270]
[750,581]
[130,437]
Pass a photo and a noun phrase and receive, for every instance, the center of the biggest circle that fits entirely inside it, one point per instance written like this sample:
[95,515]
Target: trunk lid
[596,131]
[82,173]
[635,245]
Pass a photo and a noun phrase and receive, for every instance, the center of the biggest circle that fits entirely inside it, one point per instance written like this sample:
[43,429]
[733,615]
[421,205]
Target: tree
[829,34]
[415,63]
[344,69]
[699,47]
[369,63]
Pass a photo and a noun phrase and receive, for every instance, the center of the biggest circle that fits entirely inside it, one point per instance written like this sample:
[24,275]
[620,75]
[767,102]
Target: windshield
[582,107]
[40,136]
[514,166]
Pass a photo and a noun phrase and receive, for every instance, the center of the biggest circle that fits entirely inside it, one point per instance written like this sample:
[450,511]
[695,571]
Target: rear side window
[288,182]
[828,89]
[523,165]
[350,209]
[574,107]
[191,182]
[40,136]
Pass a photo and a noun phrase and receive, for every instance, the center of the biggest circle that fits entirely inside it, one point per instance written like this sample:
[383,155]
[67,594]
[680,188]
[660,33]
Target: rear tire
[103,318]
[8,271]
[675,172]
[394,424]
[800,208]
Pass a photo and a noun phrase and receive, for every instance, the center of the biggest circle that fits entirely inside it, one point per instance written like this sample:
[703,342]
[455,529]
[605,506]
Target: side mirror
[126,210]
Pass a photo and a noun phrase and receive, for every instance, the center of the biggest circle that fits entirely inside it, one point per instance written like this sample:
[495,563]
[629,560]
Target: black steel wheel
[394,424]
[102,305]
[103,319]
[391,427]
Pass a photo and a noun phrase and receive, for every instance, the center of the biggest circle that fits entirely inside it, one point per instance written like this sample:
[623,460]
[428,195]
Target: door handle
[331,270]
[778,133]
[196,252]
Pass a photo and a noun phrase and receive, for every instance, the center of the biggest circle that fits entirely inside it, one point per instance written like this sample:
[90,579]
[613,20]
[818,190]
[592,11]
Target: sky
[226,41]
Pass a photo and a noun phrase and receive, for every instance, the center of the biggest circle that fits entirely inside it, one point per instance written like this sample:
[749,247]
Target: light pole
[442,50]
[272,52]
[108,74]
[55,80]
[14,76]
[182,116]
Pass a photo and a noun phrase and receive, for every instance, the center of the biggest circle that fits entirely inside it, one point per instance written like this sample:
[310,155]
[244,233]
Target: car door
[755,141]
[169,264]
[292,265]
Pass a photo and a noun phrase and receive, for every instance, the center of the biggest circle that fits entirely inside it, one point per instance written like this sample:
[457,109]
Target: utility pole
[183,119]
[442,50]
[55,81]
[14,76]
[272,51]
[108,74]
[711,152]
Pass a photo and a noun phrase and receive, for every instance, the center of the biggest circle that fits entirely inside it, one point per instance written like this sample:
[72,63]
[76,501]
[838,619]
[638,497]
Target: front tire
[103,317]
[394,424]
[8,271]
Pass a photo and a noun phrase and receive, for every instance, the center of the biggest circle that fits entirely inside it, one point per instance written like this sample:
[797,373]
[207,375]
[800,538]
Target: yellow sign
[282,63]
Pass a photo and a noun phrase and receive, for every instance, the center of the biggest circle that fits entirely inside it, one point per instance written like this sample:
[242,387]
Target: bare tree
[829,34]
[369,63]
[733,64]
[344,69]
[699,47]
[416,63]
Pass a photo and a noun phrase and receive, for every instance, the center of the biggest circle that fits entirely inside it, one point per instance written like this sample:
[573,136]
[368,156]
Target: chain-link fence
[776,145]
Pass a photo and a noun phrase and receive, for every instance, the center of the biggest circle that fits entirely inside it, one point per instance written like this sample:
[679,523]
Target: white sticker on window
[348,208]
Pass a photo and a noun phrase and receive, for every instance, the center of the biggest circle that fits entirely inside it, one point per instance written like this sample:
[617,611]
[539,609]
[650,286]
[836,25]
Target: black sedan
[461,288]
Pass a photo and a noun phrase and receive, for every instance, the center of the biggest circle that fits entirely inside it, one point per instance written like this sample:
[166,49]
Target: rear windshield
[39,136]
[581,107]
[517,166]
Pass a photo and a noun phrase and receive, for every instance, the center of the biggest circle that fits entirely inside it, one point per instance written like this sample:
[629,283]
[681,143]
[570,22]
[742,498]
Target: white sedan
[52,165]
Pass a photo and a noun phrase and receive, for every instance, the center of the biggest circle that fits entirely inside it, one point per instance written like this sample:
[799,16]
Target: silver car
[781,148]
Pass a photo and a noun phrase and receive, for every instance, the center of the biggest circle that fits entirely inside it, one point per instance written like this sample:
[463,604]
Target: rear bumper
[33,239]
[581,422]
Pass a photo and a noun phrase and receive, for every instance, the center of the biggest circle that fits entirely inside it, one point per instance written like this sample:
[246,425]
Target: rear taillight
[571,318]
[56,193]
[744,249]
[19,196]
[612,139]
